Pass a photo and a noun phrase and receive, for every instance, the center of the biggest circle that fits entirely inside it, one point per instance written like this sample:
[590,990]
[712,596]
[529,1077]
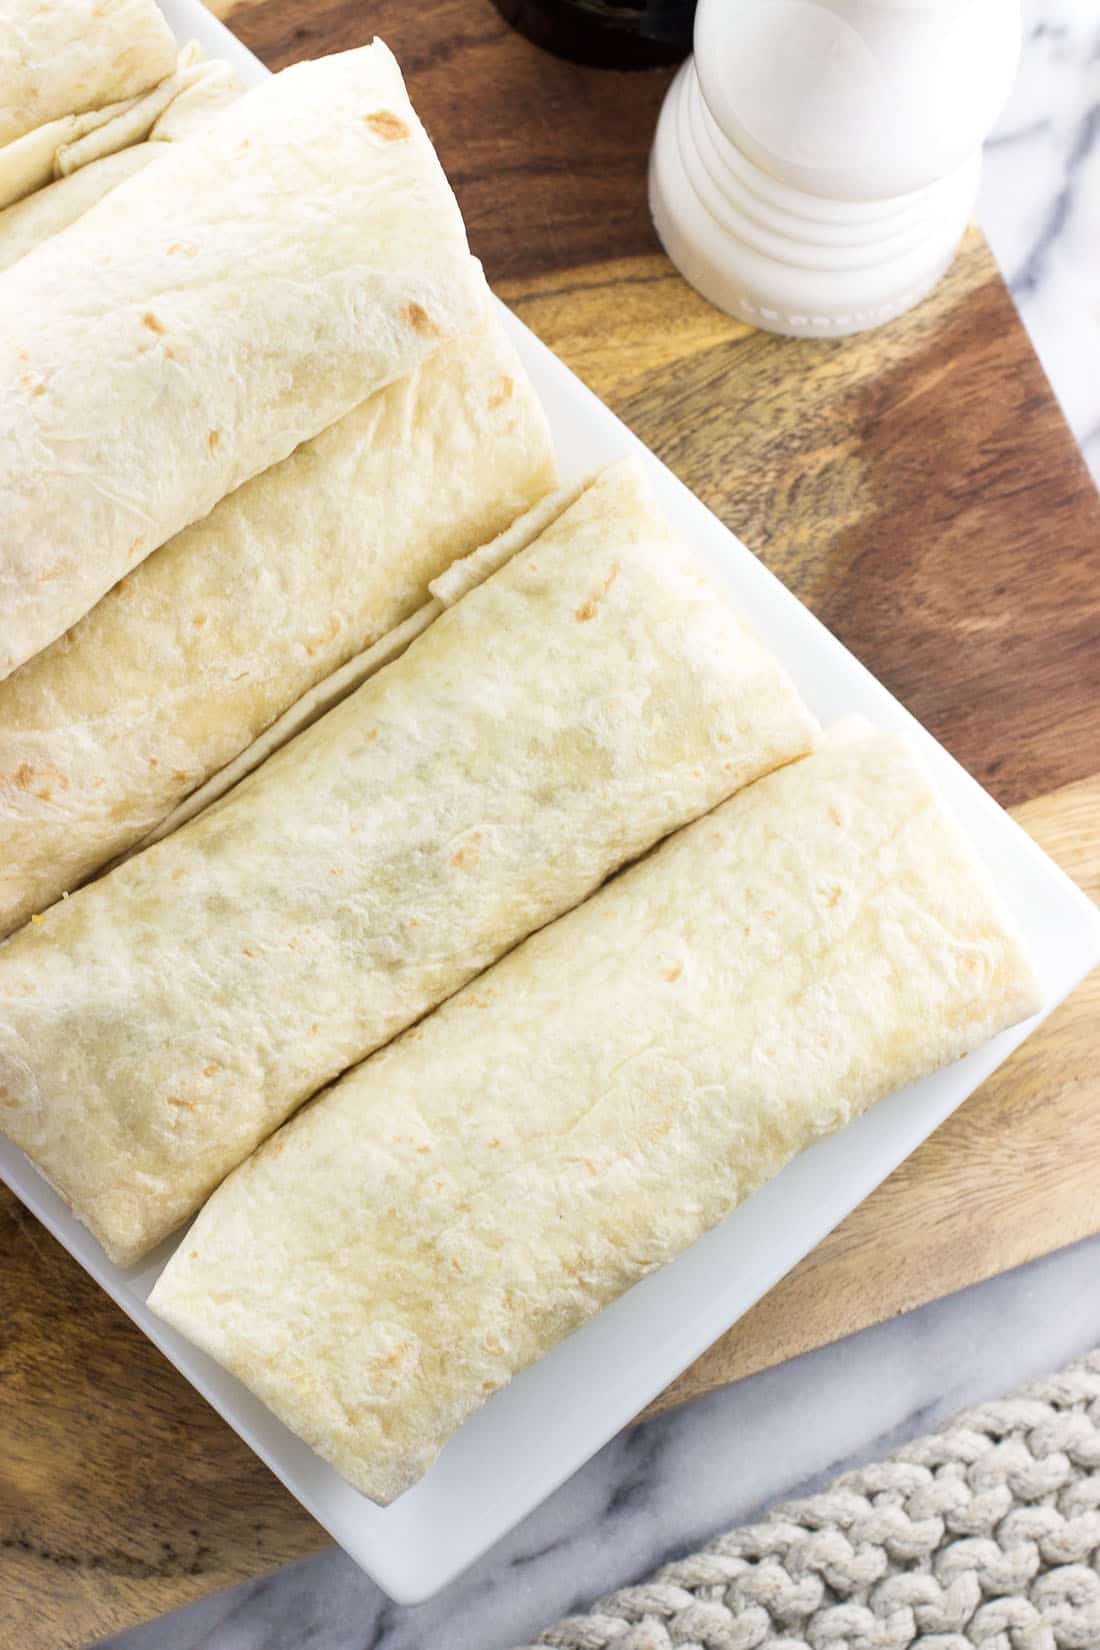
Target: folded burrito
[575,1118]
[63,57]
[207,87]
[205,643]
[299,252]
[587,698]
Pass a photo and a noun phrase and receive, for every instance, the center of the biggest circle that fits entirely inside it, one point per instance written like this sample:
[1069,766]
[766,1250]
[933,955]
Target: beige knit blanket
[987,1533]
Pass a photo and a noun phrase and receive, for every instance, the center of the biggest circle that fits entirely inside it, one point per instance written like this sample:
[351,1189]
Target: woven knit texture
[987,1533]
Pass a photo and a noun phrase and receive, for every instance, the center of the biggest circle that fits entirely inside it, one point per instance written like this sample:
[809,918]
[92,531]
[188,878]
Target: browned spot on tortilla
[423,1150]
[831,897]
[590,608]
[134,548]
[179,776]
[198,621]
[149,320]
[7,1098]
[178,1100]
[416,316]
[470,851]
[388,126]
[153,763]
[171,353]
[212,1069]
[373,734]
[212,440]
[834,815]
[313,1031]
[674,972]
[25,777]
[194,1254]
[247,952]
[505,389]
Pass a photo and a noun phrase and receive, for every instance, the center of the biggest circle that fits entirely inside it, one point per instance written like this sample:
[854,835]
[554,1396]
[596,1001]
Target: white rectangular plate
[547,1423]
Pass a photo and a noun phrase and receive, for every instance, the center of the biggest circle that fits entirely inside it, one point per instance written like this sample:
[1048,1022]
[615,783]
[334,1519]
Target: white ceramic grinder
[817,161]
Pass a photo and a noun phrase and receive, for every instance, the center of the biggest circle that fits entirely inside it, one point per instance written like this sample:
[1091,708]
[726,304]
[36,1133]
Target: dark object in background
[615,34]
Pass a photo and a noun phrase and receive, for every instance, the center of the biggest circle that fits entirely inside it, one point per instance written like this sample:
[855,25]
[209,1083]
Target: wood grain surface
[919,490]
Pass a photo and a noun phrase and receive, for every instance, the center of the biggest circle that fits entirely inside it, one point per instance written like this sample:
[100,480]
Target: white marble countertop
[664,1488]
[1040,203]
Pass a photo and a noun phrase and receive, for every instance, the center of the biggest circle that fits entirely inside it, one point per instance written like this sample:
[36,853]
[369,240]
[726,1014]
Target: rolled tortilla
[63,57]
[586,699]
[298,253]
[588,1108]
[204,644]
[30,222]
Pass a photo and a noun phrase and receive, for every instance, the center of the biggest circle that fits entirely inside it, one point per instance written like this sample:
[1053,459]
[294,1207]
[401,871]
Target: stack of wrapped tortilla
[294,256]
[197,651]
[260,435]
[208,641]
[584,700]
[589,1107]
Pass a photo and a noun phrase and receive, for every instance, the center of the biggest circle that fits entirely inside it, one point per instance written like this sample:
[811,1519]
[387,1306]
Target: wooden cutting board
[919,489]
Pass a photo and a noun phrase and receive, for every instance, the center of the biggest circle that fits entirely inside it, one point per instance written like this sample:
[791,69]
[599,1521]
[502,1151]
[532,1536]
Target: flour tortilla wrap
[197,97]
[298,253]
[209,640]
[63,57]
[583,701]
[589,1107]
